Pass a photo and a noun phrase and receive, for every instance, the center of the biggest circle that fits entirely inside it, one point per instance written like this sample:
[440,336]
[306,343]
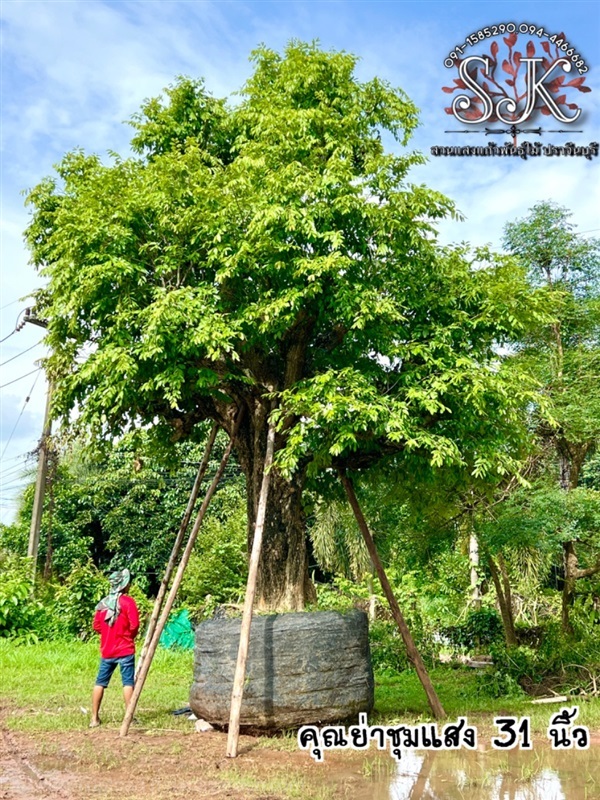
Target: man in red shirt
[117,621]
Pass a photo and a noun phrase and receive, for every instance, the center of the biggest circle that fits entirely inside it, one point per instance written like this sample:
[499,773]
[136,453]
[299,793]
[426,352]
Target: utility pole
[42,470]
[40,487]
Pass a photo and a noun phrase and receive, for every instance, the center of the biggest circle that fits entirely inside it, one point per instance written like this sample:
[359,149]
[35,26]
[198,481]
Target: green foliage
[275,245]
[337,542]
[125,508]
[55,611]
[564,353]
[272,249]
[218,567]
[75,601]
[387,648]
[21,616]
[481,628]
[342,594]
[552,250]
[498,683]
[543,517]
[570,662]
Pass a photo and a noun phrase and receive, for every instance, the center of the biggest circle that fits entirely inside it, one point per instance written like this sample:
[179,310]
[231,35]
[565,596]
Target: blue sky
[73,72]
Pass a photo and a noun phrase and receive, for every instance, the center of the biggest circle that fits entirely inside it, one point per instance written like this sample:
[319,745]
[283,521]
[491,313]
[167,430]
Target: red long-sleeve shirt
[118,640]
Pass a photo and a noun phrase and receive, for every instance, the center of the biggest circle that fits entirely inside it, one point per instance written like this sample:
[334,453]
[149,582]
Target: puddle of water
[491,775]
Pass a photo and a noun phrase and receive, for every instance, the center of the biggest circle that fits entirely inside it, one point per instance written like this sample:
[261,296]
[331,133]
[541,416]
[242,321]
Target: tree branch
[588,572]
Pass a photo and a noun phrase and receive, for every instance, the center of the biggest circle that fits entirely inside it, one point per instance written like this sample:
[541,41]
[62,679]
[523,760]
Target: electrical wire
[15,329]
[14,458]
[21,378]
[8,360]
[18,300]
[20,415]
[9,335]
[15,486]
[10,473]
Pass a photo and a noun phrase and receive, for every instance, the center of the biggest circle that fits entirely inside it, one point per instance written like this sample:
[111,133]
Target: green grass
[47,684]
[400,697]
[44,686]
[295,787]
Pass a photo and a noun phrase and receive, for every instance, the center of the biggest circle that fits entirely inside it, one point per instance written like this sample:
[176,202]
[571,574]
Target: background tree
[564,355]
[125,508]
[274,248]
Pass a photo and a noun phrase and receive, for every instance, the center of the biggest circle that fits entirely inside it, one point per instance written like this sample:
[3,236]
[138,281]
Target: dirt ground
[151,765]
[160,764]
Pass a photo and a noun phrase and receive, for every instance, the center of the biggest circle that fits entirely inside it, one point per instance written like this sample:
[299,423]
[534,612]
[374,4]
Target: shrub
[75,601]
[387,648]
[559,660]
[481,628]
[22,617]
[217,569]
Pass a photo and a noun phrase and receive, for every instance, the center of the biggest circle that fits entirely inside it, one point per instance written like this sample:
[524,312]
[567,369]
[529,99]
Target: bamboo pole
[158,603]
[141,679]
[413,654]
[240,668]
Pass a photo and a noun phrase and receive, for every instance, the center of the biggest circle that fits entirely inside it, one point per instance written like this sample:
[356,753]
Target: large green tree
[565,356]
[271,250]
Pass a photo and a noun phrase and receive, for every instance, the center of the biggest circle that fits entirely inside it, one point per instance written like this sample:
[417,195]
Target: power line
[9,335]
[21,378]
[12,302]
[20,415]
[16,470]
[8,492]
[14,458]
[12,333]
[20,481]
[12,480]
[8,360]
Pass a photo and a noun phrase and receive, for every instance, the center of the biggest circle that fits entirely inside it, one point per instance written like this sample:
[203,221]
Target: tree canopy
[564,355]
[273,248]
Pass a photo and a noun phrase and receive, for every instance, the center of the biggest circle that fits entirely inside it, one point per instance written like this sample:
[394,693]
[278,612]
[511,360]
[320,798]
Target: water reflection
[493,775]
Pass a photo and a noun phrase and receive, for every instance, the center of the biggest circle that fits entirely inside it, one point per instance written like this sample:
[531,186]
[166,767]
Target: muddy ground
[152,765]
[161,764]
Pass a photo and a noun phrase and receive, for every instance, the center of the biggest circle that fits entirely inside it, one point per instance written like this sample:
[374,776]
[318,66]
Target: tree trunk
[504,601]
[569,477]
[283,582]
[571,570]
[474,564]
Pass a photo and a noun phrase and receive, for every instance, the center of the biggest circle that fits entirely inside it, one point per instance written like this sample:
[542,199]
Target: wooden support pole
[158,603]
[141,678]
[412,652]
[240,668]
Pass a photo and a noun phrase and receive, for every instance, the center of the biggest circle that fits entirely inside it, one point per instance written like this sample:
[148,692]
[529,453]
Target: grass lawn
[400,698]
[45,687]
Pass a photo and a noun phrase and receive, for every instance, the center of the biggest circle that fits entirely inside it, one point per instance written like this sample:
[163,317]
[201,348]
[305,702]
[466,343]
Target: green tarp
[178,631]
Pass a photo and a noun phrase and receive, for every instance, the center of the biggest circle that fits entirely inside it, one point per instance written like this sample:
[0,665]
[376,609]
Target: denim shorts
[109,665]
